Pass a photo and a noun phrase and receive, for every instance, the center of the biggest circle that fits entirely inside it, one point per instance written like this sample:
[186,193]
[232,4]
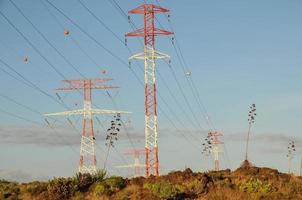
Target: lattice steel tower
[87,152]
[149,56]
[215,148]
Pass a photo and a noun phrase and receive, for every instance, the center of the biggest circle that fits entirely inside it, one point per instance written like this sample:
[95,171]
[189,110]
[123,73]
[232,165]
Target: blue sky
[239,53]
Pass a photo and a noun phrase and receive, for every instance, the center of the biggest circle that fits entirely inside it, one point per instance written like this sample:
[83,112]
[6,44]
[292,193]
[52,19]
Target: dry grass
[247,182]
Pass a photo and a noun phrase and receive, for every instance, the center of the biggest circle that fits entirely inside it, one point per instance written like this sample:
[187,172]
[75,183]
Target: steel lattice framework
[136,165]
[150,55]
[215,148]
[87,152]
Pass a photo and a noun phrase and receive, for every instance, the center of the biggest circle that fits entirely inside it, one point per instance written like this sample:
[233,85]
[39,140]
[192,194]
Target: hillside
[243,183]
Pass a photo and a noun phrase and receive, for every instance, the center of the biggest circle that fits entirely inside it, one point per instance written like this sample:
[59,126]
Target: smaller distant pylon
[216,148]
[136,165]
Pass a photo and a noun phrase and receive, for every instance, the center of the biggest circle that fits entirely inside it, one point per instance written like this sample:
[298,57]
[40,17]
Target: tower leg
[87,154]
[147,162]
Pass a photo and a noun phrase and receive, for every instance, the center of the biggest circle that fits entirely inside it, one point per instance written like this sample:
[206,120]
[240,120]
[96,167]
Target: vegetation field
[250,183]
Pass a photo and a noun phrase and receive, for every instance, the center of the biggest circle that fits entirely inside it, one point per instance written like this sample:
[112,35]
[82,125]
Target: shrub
[130,192]
[99,175]
[115,183]
[254,185]
[35,188]
[196,186]
[78,196]
[9,189]
[101,189]
[60,188]
[85,182]
[162,190]
[76,178]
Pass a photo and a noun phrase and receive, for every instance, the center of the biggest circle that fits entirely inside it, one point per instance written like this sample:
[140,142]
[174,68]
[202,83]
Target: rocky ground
[244,183]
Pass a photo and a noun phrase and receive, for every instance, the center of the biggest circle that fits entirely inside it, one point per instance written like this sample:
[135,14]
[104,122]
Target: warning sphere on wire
[66,32]
[188,73]
[25,59]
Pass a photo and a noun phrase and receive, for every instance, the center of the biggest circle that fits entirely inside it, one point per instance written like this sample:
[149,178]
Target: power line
[100,21]
[200,103]
[86,33]
[19,117]
[34,122]
[27,82]
[44,37]
[116,5]
[96,64]
[184,65]
[103,24]
[31,121]
[96,41]
[33,46]
[33,86]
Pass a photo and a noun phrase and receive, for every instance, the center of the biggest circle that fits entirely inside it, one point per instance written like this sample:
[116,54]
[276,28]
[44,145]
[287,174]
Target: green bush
[101,189]
[76,178]
[3,181]
[115,183]
[9,189]
[85,182]
[162,190]
[99,175]
[127,193]
[254,185]
[61,188]
[195,186]
[35,188]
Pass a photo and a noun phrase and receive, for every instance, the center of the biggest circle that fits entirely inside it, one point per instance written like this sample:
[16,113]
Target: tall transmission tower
[136,165]
[87,152]
[150,55]
[216,148]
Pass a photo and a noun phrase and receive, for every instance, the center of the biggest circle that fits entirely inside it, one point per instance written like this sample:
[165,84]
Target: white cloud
[21,176]
[57,136]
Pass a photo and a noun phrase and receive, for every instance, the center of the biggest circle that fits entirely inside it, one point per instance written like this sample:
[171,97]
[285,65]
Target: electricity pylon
[136,165]
[216,148]
[150,55]
[87,152]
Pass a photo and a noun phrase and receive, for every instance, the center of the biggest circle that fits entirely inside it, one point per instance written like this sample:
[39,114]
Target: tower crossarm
[87,111]
[66,113]
[151,54]
[150,8]
[142,33]
[78,84]
[80,87]
[102,111]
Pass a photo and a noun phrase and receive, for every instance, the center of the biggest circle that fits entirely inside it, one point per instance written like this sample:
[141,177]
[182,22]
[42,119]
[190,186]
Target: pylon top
[148,8]
[87,83]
